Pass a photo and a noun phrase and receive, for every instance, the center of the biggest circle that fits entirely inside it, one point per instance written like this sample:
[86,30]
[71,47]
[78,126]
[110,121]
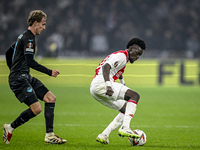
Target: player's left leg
[49,98]
[132,98]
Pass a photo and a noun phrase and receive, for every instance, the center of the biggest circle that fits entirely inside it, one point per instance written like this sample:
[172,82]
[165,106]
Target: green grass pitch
[169,115]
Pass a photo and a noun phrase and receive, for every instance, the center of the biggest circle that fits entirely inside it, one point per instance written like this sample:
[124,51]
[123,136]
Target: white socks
[114,124]
[49,134]
[10,129]
[129,113]
[126,119]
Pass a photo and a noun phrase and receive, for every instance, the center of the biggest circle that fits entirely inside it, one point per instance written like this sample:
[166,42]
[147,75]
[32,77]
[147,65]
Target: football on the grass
[138,141]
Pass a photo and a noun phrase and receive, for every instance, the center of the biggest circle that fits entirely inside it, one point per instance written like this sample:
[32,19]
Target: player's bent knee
[135,96]
[36,108]
[132,95]
[52,99]
[49,97]
[38,111]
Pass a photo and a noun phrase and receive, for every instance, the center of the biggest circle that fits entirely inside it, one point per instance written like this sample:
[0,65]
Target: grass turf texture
[168,115]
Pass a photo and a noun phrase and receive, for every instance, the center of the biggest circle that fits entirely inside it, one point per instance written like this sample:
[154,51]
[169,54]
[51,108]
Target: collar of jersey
[126,53]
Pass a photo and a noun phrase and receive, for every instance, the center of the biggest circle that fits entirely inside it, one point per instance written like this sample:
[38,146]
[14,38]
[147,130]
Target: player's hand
[109,91]
[55,73]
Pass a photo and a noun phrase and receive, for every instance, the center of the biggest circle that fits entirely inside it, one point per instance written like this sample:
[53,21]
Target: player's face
[134,53]
[40,26]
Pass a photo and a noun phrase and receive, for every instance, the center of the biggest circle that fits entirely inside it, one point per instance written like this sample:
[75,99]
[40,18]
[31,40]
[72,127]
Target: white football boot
[7,133]
[103,139]
[54,139]
[127,132]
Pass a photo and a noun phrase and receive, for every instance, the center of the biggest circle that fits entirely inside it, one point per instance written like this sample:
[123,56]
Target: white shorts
[116,101]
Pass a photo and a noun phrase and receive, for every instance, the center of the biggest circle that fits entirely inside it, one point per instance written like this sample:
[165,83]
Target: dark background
[83,28]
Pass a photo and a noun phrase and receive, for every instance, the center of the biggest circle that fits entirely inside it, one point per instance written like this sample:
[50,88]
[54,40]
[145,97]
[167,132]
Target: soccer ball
[138,141]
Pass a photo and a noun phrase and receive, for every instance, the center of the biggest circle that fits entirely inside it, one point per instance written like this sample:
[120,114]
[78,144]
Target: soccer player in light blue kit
[115,95]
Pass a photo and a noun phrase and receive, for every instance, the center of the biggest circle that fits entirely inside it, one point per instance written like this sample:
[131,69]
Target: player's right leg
[25,94]
[7,133]
[103,139]
[117,121]
[35,108]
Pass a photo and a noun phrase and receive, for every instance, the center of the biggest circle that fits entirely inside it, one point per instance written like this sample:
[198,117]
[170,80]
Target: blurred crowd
[170,28]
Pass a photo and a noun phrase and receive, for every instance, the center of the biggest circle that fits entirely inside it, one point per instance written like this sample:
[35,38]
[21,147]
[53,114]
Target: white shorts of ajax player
[116,101]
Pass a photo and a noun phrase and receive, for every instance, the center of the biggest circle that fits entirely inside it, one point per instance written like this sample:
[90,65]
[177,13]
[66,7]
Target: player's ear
[35,23]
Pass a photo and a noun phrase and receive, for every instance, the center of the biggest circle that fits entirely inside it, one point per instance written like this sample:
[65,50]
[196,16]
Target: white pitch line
[101,125]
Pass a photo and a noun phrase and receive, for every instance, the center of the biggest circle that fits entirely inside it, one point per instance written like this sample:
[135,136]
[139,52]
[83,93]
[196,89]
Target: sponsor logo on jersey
[29,89]
[116,64]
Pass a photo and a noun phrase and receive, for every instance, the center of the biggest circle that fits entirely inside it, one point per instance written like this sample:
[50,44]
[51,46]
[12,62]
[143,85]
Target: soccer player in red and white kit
[116,95]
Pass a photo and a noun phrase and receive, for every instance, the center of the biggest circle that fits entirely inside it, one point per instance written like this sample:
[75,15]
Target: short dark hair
[138,42]
[36,15]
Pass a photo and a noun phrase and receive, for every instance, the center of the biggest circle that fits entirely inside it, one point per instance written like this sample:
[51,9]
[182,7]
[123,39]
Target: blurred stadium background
[171,28]
[92,29]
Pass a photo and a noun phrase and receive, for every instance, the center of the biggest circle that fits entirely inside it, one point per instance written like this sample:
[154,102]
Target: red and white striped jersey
[117,61]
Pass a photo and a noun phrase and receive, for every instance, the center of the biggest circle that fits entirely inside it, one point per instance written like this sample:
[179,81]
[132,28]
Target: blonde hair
[36,15]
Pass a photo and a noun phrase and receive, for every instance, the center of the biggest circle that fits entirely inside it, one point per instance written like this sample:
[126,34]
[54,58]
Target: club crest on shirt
[116,64]
[29,47]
